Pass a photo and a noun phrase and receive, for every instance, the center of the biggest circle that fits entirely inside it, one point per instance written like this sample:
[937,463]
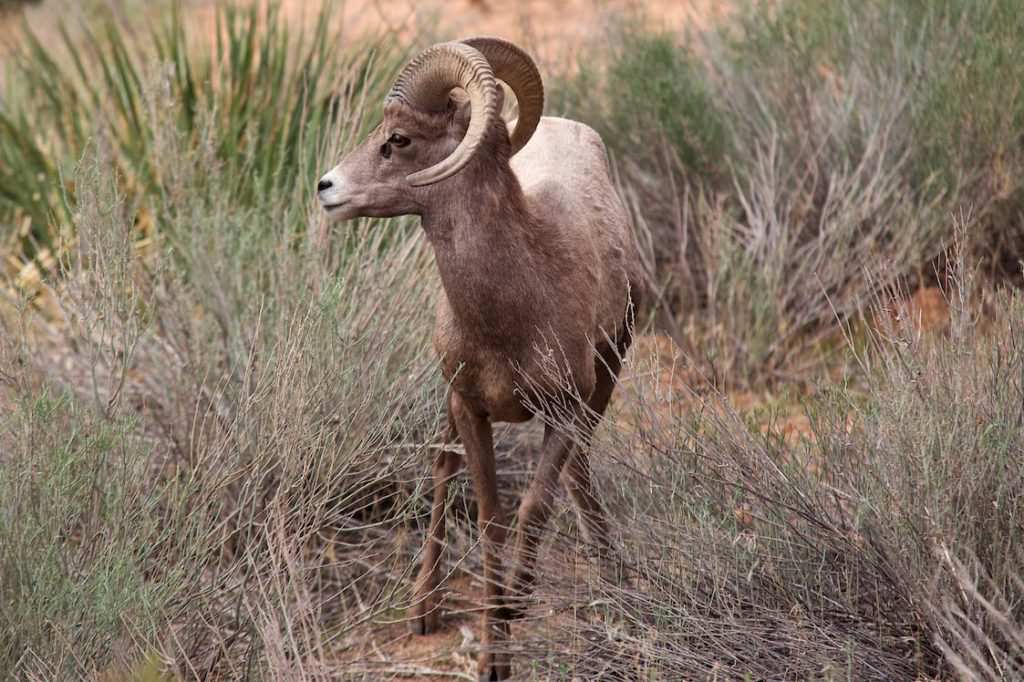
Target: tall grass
[259,89]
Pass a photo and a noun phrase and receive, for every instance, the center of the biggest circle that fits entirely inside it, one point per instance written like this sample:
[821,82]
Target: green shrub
[14,4]
[970,118]
[655,92]
[648,96]
[77,533]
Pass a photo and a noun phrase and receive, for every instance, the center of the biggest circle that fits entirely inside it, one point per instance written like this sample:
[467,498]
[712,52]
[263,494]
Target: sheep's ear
[459,109]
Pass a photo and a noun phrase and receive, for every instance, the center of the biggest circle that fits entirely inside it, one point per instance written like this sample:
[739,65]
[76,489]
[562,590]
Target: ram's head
[443,112]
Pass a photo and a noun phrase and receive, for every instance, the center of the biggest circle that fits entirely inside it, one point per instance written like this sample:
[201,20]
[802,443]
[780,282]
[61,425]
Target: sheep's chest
[488,380]
[497,381]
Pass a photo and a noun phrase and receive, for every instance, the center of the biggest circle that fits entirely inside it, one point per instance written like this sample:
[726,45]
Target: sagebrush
[217,412]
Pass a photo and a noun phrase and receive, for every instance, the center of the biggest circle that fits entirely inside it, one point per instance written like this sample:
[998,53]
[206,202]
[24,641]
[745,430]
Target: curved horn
[426,82]
[512,65]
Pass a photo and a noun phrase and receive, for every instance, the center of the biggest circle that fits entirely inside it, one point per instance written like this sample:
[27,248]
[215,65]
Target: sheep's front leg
[425,613]
[475,430]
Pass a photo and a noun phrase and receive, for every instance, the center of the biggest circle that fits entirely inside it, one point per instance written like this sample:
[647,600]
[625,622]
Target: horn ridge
[510,63]
[425,83]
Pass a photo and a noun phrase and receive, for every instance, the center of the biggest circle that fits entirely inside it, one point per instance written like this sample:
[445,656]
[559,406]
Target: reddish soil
[389,648]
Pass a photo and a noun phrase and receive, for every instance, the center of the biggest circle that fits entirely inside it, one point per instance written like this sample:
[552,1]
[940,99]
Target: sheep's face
[371,180]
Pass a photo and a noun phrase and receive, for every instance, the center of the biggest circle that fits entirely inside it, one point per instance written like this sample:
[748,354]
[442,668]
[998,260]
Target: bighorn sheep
[537,261]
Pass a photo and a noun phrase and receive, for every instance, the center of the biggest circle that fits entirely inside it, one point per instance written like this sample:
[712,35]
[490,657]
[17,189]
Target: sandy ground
[551,27]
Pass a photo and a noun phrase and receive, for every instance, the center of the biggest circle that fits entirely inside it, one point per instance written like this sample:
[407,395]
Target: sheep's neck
[483,242]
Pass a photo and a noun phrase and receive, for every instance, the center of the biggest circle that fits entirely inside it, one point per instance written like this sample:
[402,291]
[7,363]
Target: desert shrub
[786,151]
[969,122]
[882,542]
[77,534]
[952,61]
[819,99]
[231,410]
[648,97]
[213,410]
[857,128]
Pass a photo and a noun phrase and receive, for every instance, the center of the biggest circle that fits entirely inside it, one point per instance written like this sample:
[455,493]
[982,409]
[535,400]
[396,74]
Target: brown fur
[538,266]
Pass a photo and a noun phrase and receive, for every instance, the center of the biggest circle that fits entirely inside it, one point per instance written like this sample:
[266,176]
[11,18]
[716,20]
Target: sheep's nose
[324,184]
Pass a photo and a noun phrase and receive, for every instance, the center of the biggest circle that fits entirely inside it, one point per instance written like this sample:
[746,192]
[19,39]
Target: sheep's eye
[398,140]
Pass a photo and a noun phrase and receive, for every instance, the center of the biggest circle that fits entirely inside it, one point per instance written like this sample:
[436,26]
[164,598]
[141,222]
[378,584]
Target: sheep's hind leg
[564,458]
[425,612]
[576,475]
[535,509]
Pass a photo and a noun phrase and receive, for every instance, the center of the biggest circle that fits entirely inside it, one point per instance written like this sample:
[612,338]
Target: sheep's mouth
[329,208]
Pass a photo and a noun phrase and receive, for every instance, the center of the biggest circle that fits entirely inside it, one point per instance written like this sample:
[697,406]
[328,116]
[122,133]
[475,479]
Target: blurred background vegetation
[14,4]
[215,424]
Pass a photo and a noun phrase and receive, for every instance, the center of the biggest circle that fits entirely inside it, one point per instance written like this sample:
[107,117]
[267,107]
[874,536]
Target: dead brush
[229,389]
[211,462]
[886,545]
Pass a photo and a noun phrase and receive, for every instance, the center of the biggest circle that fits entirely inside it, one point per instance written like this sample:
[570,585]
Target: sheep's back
[565,177]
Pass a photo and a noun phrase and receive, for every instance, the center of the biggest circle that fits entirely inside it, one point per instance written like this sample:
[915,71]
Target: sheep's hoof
[493,668]
[517,596]
[513,611]
[424,619]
